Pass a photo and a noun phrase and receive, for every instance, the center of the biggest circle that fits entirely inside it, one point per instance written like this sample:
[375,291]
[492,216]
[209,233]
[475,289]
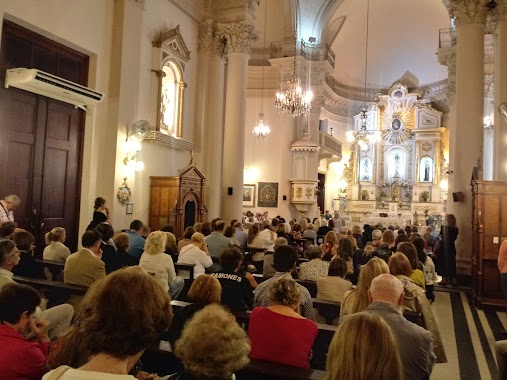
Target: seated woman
[415,301]
[334,286]
[229,233]
[212,346]
[361,258]
[310,233]
[346,252]
[122,243]
[55,249]
[330,246]
[256,240]
[7,229]
[187,236]
[197,254]
[161,266]
[323,227]
[357,299]
[363,348]
[110,330]
[296,232]
[268,267]
[417,275]
[108,251]
[21,358]
[315,267]
[205,290]
[27,265]
[278,333]
[356,233]
[170,246]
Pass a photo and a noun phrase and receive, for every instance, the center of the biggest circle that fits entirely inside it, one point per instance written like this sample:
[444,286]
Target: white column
[467,138]
[239,36]
[500,134]
[209,109]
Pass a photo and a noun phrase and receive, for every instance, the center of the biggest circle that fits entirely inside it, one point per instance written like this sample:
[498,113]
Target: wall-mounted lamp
[135,133]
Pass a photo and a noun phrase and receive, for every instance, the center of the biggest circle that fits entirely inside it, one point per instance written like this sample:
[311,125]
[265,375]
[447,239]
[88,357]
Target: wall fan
[139,129]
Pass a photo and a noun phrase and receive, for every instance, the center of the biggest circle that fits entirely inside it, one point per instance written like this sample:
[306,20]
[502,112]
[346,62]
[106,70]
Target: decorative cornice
[239,36]
[304,146]
[468,11]
[173,41]
[170,141]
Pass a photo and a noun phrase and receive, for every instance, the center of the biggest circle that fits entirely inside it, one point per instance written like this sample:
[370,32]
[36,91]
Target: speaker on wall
[284,197]
[229,191]
[458,197]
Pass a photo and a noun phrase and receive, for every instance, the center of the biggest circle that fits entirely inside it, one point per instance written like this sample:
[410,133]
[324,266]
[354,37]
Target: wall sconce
[132,160]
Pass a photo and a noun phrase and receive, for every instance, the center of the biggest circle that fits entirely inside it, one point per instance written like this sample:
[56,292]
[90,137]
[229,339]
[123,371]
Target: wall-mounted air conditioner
[49,85]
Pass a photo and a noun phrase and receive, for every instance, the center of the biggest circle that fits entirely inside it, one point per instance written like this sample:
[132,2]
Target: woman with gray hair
[278,333]
[196,253]
[212,346]
[315,267]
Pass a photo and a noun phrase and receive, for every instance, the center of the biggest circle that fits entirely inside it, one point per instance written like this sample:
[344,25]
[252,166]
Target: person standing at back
[7,207]
[100,214]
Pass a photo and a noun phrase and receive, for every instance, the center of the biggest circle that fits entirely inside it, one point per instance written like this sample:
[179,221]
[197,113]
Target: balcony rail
[447,38]
[312,52]
[330,144]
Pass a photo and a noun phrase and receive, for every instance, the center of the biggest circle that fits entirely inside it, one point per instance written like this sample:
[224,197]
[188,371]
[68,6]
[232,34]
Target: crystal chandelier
[261,131]
[294,100]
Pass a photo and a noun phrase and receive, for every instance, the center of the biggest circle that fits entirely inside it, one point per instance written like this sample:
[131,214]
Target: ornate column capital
[239,36]
[209,40]
[468,11]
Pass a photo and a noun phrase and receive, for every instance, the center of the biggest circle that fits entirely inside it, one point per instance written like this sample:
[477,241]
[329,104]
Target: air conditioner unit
[49,85]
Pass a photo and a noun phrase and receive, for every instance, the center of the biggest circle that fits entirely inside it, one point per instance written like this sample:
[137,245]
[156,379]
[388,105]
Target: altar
[397,164]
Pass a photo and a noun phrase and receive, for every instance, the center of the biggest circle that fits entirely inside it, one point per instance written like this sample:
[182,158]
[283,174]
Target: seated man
[216,241]
[21,358]
[285,261]
[137,242]
[237,293]
[85,266]
[414,342]
[59,317]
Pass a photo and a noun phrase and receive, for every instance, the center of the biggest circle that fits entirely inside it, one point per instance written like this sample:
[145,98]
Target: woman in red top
[20,358]
[278,333]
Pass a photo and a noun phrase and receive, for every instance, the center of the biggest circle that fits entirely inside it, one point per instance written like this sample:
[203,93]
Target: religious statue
[366,171]
[397,166]
[426,171]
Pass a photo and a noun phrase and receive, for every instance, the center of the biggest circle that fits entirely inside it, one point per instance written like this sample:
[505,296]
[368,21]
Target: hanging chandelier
[365,137]
[294,101]
[261,131]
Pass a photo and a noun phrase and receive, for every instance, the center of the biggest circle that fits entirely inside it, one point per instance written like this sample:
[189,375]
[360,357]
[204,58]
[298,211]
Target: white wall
[270,160]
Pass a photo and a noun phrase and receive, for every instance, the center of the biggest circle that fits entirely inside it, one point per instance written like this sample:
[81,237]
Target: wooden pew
[185,268]
[41,284]
[249,252]
[328,310]
[260,369]
[54,268]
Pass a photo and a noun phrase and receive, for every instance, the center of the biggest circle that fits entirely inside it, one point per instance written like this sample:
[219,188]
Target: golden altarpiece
[400,178]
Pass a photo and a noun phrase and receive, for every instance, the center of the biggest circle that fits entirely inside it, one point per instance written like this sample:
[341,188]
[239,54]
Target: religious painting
[365,169]
[426,169]
[268,194]
[248,195]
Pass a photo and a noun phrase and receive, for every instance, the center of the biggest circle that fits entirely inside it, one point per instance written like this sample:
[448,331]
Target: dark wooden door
[40,141]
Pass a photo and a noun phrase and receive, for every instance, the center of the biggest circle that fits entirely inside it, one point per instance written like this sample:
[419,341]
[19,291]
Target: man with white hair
[415,343]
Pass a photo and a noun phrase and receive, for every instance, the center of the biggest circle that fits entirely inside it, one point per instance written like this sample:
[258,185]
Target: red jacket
[20,358]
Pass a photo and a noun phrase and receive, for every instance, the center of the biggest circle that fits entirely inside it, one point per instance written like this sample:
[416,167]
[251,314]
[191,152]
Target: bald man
[415,343]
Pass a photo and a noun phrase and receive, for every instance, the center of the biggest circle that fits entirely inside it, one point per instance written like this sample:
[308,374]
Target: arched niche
[365,169]
[426,169]
[396,164]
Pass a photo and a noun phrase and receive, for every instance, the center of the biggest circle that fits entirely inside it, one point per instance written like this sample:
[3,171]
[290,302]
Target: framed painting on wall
[248,195]
[268,194]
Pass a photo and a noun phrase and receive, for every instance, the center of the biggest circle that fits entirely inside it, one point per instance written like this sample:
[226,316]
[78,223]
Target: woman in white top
[156,262]
[197,254]
[55,249]
[257,240]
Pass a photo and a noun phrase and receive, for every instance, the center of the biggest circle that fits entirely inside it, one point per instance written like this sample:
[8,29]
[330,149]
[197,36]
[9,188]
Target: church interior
[182,111]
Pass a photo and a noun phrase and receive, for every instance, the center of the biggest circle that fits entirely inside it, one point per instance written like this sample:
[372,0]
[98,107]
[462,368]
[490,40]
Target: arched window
[171,99]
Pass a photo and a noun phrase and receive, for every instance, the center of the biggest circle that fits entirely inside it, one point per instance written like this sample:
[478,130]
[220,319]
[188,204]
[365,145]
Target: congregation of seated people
[258,265]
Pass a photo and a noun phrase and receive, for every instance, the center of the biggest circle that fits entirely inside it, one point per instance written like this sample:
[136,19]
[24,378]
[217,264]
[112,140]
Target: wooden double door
[40,150]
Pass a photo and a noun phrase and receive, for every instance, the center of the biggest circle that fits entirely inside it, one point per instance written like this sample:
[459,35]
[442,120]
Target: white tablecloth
[373,220]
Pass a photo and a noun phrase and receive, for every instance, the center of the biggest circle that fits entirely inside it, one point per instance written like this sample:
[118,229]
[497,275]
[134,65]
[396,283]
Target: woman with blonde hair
[304,225]
[55,249]
[278,333]
[357,299]
[205,290]
[414,300]
[111,335]
[212,346]
[363,348]
[156,262]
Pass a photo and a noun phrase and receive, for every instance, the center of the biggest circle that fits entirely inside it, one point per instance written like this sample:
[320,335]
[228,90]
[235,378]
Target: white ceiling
[403,40]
